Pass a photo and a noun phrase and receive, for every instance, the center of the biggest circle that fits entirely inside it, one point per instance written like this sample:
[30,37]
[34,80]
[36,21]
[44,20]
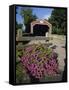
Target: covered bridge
[41,28]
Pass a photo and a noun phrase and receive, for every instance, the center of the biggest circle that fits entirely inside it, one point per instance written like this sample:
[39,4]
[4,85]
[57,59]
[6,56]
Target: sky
[41,13]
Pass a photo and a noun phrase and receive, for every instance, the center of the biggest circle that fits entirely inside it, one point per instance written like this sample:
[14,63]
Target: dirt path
[60,49]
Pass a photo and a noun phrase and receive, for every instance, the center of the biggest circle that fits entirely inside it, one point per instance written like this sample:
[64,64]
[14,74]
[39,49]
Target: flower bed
[40,61]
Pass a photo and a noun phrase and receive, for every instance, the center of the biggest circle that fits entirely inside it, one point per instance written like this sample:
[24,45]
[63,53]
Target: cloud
[46,16]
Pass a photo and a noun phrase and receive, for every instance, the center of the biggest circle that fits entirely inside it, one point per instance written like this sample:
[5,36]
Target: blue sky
[41,13]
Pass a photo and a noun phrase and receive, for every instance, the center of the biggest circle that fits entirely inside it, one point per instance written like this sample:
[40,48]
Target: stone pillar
[19,33]
[47,34]
[31,28]
[50,31]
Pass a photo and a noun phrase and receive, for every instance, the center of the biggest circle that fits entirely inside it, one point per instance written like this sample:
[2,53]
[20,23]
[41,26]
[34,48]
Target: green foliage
[54,30]
[18,26]
[21,74]
[58,21]
[28,17]
[19,53]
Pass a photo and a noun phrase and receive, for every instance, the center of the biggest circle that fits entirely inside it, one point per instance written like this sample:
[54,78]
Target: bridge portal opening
[40,30]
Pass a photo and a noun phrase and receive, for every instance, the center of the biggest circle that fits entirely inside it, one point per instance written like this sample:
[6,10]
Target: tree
[28,17]
[18,26]
[58,20]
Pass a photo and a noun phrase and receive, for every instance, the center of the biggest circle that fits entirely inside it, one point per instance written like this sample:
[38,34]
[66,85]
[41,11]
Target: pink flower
[33,63]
